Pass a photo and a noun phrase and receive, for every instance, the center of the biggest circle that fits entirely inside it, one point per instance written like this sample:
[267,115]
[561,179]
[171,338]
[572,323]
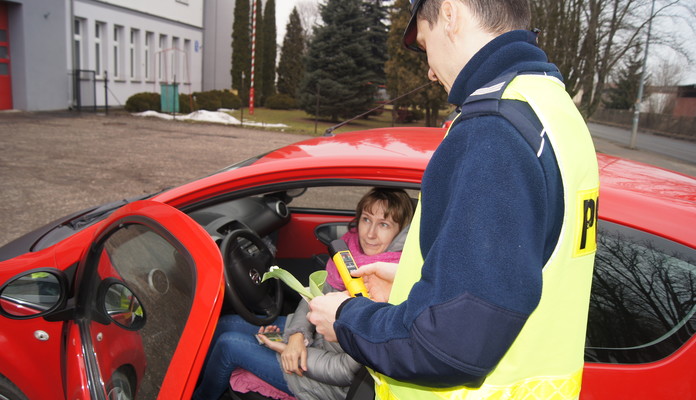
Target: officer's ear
[450,16]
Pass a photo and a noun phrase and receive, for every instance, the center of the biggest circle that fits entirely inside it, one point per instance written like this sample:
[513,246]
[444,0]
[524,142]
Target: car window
[342,198]
[162,278]
[643,301]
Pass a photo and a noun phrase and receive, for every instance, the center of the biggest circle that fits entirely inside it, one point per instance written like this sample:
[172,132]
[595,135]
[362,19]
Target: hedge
[281,102]
[211,100]
[144,101]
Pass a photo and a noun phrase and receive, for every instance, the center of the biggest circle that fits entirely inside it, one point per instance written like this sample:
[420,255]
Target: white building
[217,36]
[58,54]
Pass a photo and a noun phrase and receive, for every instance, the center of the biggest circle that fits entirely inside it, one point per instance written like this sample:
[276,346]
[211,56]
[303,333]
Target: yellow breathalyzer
[346,264]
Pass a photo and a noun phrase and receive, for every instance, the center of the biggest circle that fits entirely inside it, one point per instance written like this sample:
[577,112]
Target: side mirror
[33,294]
[120,305]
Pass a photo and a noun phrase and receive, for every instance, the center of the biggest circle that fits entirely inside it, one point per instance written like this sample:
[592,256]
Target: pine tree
[338,71]
[623,96]
[407,70]
[377,32]
[268,73]
[241,49]
[291,67]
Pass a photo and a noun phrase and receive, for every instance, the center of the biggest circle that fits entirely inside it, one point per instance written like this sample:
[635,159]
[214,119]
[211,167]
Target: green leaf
[316,282]
[289,279]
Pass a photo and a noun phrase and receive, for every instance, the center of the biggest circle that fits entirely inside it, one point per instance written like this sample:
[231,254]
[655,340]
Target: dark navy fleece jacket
[491,213]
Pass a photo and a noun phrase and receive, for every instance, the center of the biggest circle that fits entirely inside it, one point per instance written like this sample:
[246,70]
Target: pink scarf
[351,238]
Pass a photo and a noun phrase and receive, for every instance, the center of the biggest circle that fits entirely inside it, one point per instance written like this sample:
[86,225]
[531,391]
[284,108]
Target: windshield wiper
[103,210]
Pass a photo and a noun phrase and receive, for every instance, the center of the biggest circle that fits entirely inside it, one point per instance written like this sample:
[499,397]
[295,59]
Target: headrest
[398,243]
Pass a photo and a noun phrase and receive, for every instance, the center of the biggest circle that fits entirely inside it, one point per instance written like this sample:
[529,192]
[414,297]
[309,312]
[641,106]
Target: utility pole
[253,56]
[639,100]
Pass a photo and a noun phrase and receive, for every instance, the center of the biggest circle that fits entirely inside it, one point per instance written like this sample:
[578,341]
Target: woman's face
[375,230]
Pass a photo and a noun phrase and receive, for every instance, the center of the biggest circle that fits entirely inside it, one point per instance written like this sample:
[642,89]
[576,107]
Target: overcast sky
[283,10]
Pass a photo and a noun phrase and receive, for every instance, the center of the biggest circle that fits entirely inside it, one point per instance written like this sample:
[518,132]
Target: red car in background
[121,301]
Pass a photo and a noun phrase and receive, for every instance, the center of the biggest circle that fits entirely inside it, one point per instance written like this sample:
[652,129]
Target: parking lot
[56,163]
[53,164]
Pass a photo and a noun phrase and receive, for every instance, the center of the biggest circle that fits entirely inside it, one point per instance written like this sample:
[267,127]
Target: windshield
[67,228]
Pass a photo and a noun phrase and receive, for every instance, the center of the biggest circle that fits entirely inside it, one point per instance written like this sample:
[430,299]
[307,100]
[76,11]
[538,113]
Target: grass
[300,122]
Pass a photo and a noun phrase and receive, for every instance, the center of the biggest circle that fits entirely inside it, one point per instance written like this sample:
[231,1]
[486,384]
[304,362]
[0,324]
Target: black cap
[412,28]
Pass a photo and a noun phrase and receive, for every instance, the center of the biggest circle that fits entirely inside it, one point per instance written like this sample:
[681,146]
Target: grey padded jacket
[330,371]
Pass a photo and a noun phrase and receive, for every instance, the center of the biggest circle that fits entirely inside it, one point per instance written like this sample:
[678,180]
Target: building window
[98,48]
[149,42]
[134,50]
[118,60]
[187,61]
[161,45]
[175,57]
[77,43]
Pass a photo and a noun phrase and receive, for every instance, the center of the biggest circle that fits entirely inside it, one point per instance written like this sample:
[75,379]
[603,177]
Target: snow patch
[218,117]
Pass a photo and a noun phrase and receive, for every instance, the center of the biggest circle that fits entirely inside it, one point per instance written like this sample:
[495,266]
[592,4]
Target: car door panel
[298,238]
[171,266]
[32,346]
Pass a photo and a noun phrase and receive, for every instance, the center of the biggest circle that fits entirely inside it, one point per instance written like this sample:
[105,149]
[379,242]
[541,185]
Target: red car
[121,301]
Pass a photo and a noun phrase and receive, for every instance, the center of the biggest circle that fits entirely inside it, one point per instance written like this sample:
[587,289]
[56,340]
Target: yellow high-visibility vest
[546,360]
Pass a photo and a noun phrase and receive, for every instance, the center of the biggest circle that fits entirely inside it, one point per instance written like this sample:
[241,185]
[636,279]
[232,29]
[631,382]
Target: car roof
[380,145]
[387,154]
[649,198]
[643,196]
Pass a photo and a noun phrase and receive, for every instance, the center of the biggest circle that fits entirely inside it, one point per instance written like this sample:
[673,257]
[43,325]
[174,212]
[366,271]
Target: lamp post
[241,122]
[639,100]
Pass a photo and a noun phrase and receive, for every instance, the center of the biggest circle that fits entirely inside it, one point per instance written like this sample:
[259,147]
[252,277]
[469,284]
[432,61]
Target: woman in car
[304,365]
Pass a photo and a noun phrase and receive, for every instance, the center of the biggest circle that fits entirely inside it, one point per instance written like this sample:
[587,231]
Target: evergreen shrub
[143,101]
[209,100]
[281,102]
[229,100]
[186,103]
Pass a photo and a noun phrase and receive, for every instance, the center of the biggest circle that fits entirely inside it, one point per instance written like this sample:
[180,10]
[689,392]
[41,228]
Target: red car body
[635,195]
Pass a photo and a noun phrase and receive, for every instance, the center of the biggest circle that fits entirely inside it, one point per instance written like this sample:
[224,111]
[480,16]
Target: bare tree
[587,38]
[309,16]
[664,78]
[676,30]
[560,35]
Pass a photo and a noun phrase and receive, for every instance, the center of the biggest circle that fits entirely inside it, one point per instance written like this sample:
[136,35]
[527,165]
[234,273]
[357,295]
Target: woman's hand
[378,278]
[278,347]
[294,357]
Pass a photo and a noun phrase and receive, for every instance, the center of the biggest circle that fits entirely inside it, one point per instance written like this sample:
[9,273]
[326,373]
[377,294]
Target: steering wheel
[246,259]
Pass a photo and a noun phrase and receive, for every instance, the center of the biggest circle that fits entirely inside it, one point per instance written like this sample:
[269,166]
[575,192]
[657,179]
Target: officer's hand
[378,278]
[322,313]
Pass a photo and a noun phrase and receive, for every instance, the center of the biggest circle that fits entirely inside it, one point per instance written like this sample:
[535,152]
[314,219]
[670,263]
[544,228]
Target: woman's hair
[397,205]
[495,16]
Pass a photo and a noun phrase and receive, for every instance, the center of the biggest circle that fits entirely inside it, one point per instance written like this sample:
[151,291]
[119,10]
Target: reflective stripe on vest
[546,359]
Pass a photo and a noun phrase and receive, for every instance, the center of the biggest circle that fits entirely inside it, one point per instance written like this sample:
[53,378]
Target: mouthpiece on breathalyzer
[345,264]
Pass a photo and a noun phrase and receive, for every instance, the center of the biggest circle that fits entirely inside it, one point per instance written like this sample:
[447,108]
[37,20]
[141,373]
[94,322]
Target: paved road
[678,149]
[53,164]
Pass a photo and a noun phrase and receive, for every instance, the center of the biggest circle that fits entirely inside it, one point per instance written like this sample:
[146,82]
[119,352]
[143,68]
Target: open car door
[148,292]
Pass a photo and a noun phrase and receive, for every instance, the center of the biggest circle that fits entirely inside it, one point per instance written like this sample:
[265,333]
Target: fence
[665,124]
[85,89]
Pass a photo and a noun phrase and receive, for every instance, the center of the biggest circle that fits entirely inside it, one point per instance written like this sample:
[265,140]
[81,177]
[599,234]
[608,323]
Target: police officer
[491,295]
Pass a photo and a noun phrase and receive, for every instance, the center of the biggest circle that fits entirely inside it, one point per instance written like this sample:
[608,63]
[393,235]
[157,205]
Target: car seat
[362,388]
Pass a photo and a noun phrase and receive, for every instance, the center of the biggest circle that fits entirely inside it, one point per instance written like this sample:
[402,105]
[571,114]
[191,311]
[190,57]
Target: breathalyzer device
[345,264]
